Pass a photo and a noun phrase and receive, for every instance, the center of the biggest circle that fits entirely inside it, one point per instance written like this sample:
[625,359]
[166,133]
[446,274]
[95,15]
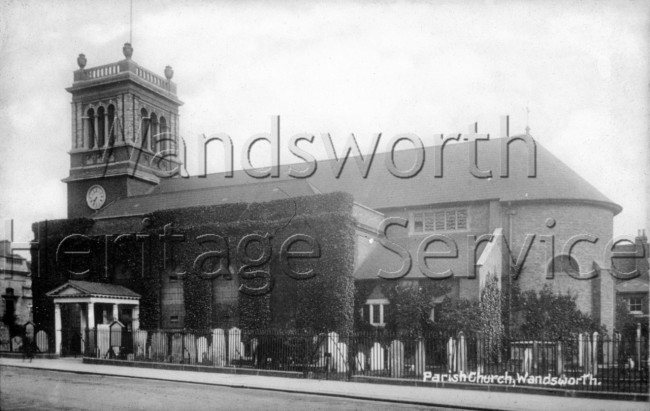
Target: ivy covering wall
[208,247]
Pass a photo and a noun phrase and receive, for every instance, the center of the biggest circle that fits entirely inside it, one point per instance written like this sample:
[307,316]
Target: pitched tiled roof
[104,289]
[381,190]
[636,285]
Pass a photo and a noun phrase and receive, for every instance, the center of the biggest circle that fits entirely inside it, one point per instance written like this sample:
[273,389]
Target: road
[29,389]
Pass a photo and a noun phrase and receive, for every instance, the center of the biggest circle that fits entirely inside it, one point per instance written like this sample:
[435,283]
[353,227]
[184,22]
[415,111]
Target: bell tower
[124,133]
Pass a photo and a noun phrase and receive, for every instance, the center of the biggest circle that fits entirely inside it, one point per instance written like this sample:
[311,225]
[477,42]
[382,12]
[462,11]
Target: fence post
[535,357]
[462,352]
[594,354]
[560,358]
[638,344]
[420,357]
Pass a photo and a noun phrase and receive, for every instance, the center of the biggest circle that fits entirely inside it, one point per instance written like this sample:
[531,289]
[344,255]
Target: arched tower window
[164,133]
[564,264]
[101,124]
[111,125]
[90,128]
[154,132]
[144,127]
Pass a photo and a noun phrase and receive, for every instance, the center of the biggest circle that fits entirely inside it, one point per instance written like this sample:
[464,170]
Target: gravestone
[234,344]
[340,357]
[360,361]
[158,350]
[41,341]
[103,339]
[190,348]
[218,347]
[177,348]
[5,339]
[332,341]
[140,343]
[396,357]
[202,351]
[376,357]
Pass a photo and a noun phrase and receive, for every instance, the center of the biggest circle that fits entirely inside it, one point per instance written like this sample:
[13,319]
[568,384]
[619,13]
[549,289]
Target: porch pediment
[87,289]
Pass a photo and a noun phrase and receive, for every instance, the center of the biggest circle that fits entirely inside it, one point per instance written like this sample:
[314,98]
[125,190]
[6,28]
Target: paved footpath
[445,397]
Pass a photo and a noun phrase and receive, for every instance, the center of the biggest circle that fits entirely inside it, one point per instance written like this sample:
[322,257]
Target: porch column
[135,321]
[91,316]
[57,328]
[90,308]
[83,326]
[116,316]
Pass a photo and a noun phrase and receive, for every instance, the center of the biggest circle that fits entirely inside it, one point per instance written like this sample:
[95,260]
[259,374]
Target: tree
[626,323]
[547,315]
[411,305]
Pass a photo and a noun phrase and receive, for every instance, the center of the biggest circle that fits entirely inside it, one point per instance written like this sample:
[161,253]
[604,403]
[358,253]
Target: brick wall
[570,220]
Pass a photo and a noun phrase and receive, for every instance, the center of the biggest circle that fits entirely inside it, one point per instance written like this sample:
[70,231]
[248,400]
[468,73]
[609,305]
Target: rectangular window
[173,319]
[447,220]
[635,304]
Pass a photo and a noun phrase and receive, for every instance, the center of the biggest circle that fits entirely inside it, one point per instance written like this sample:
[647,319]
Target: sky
[576,73]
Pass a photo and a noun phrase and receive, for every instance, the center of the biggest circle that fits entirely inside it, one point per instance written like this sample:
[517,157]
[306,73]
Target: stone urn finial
[169,72]
[81,61]
[127,50]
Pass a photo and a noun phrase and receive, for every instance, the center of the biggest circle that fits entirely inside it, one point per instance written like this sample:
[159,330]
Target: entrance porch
[98,305]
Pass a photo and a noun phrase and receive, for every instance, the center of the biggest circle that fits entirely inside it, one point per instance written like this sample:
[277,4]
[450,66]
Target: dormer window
[375,311]
[440,220]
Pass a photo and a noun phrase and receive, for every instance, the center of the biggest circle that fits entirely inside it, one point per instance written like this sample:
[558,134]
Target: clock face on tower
[95,197]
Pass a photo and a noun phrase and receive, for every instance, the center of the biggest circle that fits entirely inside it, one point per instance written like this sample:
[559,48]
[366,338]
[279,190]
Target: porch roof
[87,289]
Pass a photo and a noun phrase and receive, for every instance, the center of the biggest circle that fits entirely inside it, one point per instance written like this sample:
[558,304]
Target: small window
[173,319]
[444,220]
[635,305]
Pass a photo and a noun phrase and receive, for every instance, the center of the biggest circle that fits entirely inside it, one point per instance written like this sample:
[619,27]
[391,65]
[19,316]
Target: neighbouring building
[15,284]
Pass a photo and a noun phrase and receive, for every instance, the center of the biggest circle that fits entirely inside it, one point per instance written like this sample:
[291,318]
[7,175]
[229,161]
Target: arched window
[111,125]
[101,123]
[90,128]
[144,127]
[564,264]
[164,134]
[154,132]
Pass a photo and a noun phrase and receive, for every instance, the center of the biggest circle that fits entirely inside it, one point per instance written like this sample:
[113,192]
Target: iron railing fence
[588,362]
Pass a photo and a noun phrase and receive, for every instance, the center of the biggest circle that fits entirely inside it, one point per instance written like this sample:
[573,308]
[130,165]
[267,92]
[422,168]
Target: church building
[437,225]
